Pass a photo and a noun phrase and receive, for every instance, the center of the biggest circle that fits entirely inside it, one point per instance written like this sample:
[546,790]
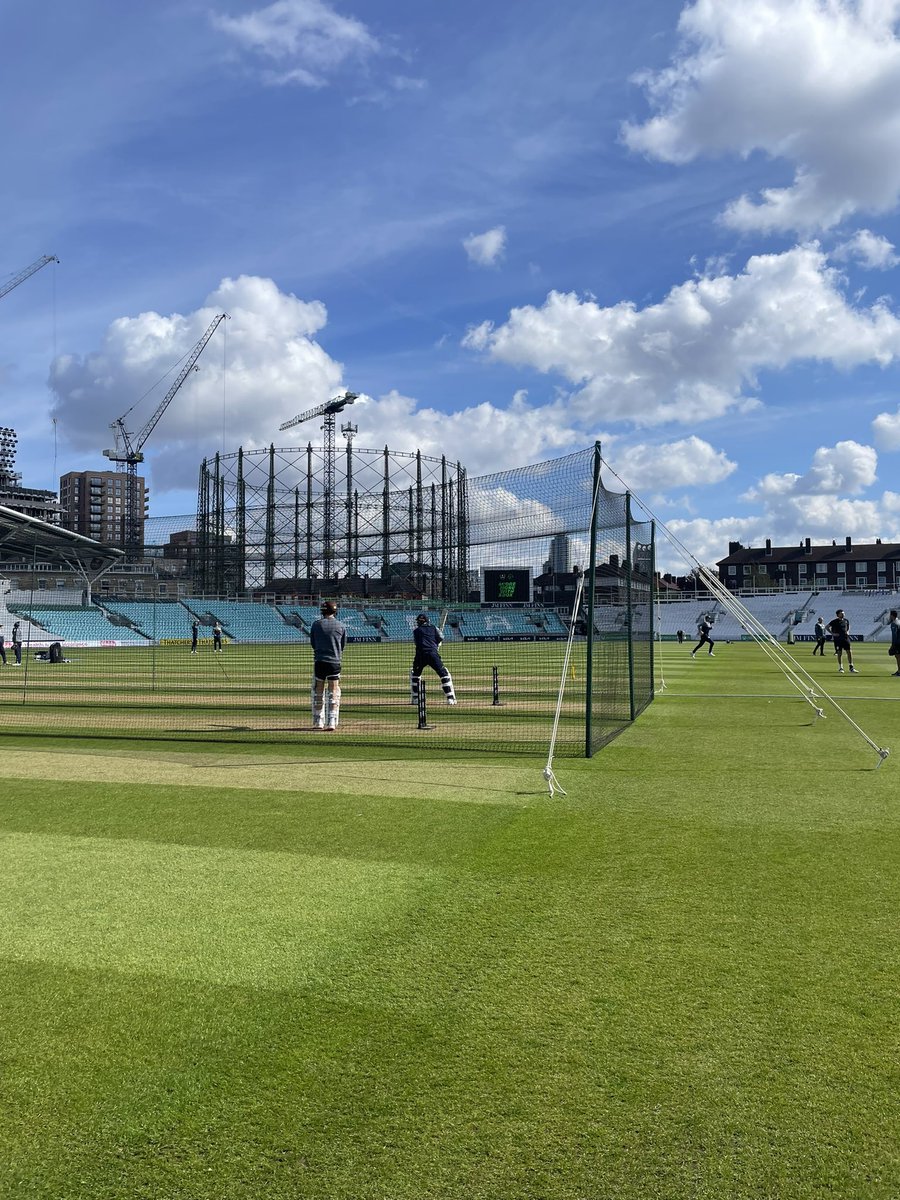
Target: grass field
[332,971]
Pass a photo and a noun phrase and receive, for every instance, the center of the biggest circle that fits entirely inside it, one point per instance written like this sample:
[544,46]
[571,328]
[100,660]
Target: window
[801,568]
[732,570]
[821,568]
[841,568]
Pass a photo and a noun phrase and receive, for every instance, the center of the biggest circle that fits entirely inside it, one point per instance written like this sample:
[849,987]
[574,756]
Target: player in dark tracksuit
[839,628]
[329,639]
[195,633]
[704,629]
[428,642]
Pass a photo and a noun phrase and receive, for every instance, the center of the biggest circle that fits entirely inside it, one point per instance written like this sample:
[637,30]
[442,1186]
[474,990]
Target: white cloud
[868,248]
[486,249]
[846,467]
[695,354]
[813,82]
[484,438]
[886,429]
[306,38]
[815,505]
[275,369]
[690,462]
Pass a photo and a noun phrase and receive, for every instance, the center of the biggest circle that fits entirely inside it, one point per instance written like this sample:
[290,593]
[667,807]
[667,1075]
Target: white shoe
[330,728]
[840,670]
[711,655]
[450,700]
[853,671]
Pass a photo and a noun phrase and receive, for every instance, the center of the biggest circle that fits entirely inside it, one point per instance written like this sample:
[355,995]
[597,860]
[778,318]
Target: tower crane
[26,274]
[128,451]
[329,411]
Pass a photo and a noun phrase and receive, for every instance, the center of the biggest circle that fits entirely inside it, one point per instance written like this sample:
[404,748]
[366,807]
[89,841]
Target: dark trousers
[820,647]
[705,640]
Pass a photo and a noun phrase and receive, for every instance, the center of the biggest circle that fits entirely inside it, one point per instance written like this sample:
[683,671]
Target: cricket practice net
[99,646]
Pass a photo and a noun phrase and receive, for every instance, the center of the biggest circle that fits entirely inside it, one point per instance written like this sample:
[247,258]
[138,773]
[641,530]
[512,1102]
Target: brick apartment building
[93,504]
[868,566]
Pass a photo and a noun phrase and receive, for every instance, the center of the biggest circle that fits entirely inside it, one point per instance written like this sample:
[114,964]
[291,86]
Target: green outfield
[313,968]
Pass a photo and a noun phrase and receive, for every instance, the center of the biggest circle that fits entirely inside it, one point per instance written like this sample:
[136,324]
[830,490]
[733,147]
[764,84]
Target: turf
[327,971]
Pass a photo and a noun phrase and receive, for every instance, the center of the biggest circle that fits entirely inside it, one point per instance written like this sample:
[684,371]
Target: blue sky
[513,227]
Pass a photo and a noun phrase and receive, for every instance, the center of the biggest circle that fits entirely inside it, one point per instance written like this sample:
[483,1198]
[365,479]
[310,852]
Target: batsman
[428,643]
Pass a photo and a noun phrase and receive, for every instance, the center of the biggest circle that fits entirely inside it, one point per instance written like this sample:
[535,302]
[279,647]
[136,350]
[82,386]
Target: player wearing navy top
[428,642]
[328,637]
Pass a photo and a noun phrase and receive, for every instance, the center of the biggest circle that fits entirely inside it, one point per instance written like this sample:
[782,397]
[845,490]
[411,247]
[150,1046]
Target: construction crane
[128,451]
[329,411]
[7,287]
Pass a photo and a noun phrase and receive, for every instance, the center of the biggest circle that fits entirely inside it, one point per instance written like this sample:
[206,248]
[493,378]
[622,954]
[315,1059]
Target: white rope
[553,784]
[796,675]
[658,658]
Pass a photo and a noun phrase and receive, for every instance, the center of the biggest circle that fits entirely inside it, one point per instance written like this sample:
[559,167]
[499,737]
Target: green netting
[493,560]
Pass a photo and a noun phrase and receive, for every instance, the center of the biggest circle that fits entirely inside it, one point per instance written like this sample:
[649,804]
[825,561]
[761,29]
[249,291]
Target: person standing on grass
[2,647]
[839,628]
[329,638]
[428,642]
[217,638]
[704,629]
[17,644]
[895,639]
[819,632]
[195,633]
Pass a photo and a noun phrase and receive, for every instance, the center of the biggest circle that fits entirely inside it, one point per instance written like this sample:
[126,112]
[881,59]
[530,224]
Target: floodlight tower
[349,430]
[329,411]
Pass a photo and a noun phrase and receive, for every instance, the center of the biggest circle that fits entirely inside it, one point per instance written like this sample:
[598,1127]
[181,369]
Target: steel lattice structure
[304,519]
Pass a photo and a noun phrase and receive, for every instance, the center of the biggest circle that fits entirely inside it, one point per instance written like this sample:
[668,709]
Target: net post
[653,608]
[629,550]
[591,583]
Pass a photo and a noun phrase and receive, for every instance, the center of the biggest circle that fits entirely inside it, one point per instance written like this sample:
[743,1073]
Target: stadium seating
[353,620]
[243,621]
[156,620]
[867,612]
[68,624]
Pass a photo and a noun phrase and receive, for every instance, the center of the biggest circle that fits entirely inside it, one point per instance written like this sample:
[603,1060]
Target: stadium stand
[777,612]
[354,621]
[159,619]
[243,621]
[68,624]
[497,623]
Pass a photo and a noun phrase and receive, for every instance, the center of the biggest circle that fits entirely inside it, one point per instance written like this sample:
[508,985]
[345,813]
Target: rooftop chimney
[807,548]
[768,547]
[848,543]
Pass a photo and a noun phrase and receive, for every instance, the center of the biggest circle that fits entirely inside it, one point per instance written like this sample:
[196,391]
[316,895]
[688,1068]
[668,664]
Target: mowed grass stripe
[440,779]
[247,917]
